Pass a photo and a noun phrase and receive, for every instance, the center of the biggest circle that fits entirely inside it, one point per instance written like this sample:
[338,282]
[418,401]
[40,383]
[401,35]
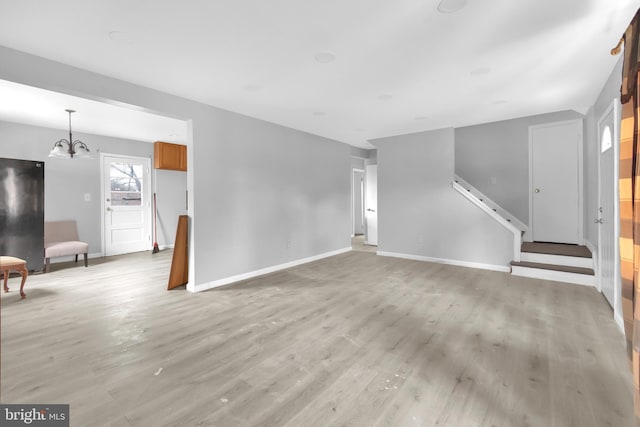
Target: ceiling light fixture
[450,6]
[385,97]
[66,149]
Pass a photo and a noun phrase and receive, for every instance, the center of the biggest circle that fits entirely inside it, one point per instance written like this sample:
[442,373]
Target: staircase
[555,261]
[547,261]
[491,208]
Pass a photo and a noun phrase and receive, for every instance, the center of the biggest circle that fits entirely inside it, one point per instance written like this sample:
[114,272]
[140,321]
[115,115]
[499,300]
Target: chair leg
[47,264]
[5,273]
[24,272]
[86,262]
[76,257]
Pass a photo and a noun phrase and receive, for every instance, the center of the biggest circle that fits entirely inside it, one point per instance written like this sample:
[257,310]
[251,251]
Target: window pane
[126,184]
[607,141]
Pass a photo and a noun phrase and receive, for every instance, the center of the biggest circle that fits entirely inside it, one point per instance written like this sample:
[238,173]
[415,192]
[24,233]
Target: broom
[156,249]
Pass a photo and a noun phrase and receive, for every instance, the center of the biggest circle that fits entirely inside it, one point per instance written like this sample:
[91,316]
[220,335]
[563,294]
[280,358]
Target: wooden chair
[61,239]
[8,264]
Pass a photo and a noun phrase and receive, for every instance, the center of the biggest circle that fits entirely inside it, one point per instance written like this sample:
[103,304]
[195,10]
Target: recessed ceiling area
[370,68]
[39,107]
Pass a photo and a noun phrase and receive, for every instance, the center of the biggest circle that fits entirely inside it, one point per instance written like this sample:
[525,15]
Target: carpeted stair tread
[565,268]
[556,249]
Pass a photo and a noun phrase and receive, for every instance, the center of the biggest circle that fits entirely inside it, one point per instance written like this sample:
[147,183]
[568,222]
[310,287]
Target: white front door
[607,215]
[126,204]
[371,205]
[556,184]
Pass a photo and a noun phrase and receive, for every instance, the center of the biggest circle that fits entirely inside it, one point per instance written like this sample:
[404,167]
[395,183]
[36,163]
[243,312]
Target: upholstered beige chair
[8,264]
[61,239]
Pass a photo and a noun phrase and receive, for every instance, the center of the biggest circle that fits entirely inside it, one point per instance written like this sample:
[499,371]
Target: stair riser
[556,260]
[558,276]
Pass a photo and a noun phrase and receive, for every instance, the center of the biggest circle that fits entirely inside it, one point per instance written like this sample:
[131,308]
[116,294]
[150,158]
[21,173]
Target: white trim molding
[458,263]
[251,274]
[482,198]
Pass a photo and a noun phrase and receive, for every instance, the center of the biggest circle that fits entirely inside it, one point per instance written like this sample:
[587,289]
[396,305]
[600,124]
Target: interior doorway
[555,193]
[357,203]
[371,205]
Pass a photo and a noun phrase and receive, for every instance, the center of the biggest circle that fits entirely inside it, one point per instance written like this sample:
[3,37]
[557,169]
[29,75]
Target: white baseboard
[244,276]
[619,321]
[501,268]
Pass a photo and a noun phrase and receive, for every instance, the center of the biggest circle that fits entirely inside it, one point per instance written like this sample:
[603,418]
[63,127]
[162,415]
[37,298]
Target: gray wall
[259,194]
[420,214]
[67,181]
[359,152]
[171,188]
[277,195]
[357,163]
[372,159]
[501,150]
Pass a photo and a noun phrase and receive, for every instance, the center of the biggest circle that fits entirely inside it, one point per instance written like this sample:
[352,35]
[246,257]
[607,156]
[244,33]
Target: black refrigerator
[22,211]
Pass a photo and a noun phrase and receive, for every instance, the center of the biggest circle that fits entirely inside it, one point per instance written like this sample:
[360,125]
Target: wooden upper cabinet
[169,156]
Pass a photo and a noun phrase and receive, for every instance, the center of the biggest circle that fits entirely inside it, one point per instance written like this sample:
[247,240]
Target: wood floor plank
[351,340]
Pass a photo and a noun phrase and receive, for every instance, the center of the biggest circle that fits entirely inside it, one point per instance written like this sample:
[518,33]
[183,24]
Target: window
[606,141]
[126,184]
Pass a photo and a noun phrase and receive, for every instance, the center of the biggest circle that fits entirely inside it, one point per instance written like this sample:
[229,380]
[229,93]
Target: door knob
[599,221]
[370,210]
[109,209]
[537,190]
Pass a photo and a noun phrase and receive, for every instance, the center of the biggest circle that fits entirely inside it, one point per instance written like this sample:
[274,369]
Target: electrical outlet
[494,181]
[87,197]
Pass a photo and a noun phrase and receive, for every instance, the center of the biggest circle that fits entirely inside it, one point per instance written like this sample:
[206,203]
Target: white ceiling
[398,66]
[39,107]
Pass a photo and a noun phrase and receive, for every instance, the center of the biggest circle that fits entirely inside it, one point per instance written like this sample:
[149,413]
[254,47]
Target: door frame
[367,207]
[103,196]
[528,236]
[362,196]
[617,285]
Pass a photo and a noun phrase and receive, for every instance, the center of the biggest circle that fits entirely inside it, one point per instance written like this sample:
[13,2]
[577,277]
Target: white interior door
[607,215]
[358,201]
[371,204]
[556,184]
[126,204]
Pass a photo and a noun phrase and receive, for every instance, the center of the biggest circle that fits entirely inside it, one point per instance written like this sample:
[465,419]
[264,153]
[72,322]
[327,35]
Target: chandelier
[68,148]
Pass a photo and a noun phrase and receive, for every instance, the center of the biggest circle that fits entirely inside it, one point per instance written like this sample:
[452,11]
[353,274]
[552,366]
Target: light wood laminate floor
[352,340]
